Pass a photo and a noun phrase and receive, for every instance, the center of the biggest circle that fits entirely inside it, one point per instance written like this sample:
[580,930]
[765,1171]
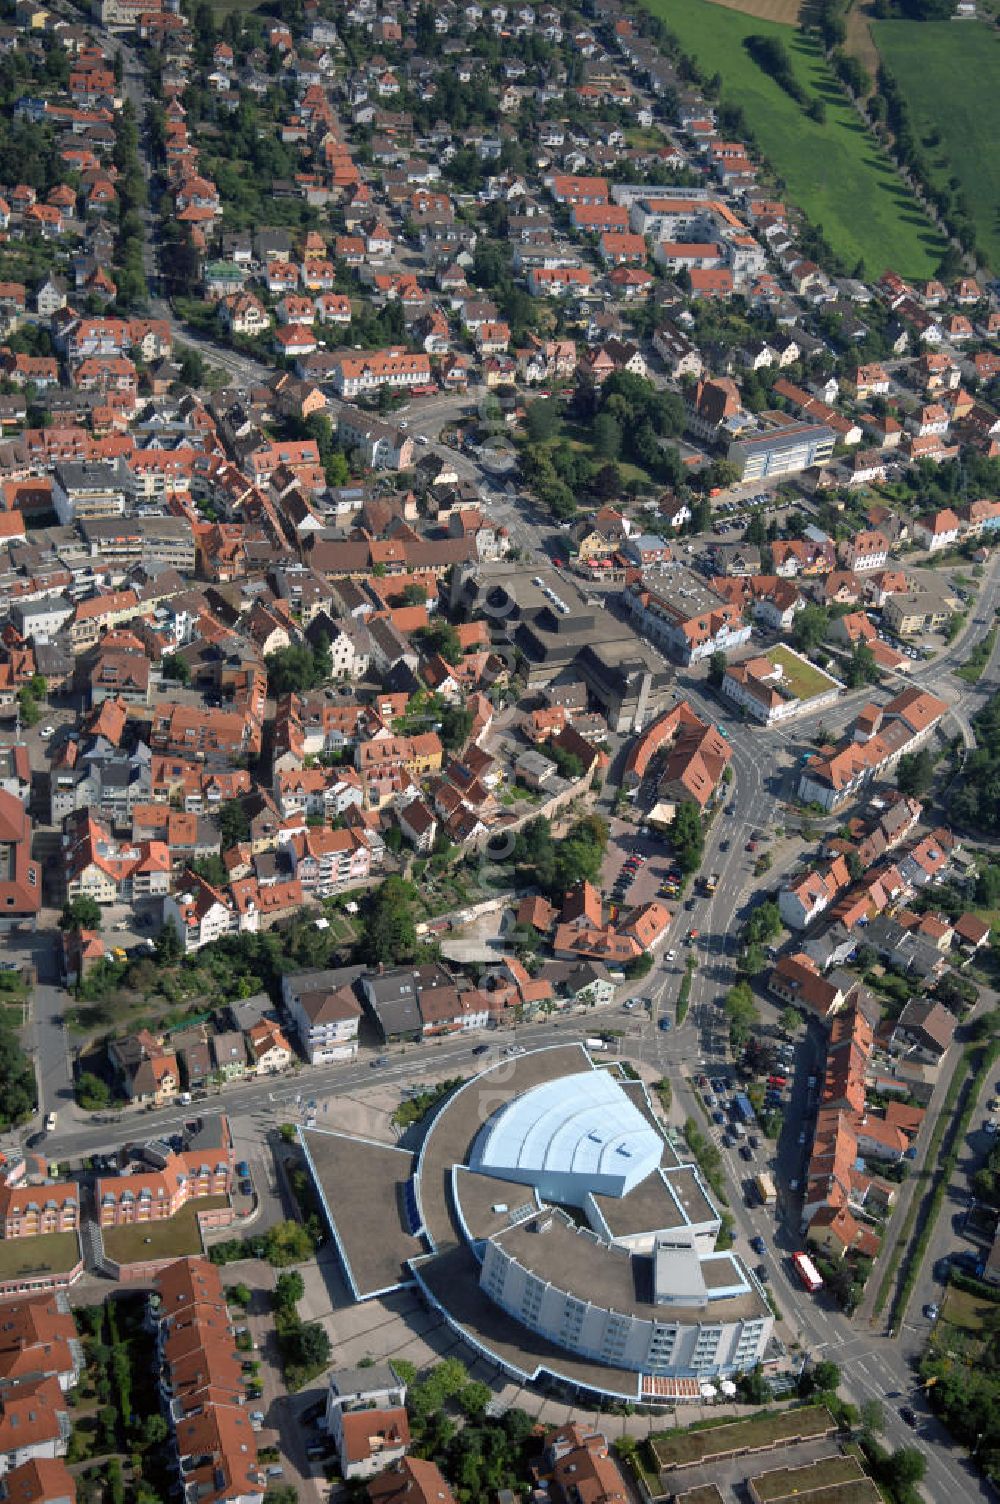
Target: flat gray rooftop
[690,1192]
[362,1184]
[451,1135]
[575,1260]
[481,1196]
[649,1207]
[681,590]
[452,1281]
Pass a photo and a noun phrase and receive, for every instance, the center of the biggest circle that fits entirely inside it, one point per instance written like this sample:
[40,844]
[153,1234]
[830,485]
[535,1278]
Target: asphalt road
[279,1098]
[873,1367]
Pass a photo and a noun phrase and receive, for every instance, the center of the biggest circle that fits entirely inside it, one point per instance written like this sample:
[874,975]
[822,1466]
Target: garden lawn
[950,77]
[578,437]
[833,172]
[965,1310]
[172,1238]
[223,8]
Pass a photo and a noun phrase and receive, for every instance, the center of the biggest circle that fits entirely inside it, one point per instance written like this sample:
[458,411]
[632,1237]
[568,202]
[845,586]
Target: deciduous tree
[389,935]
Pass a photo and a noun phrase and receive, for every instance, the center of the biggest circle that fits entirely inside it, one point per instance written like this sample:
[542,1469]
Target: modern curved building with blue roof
[560,1234]
[577,1136]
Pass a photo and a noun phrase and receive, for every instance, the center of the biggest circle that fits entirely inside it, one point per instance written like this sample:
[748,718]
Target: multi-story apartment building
[20,877]
[877,740]
[34,1423]
[154,1195]
[198,730]
[203,1386]
[366,1418]
[327,792]
[865,550]
[353,374]
[89,489]
[324,860]
[32,1211]
[418,755]
[325,1013]
[682,614]
[38,1339]
[201,913]
[100,867]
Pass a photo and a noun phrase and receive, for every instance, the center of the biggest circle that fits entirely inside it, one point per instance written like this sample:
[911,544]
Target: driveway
[45,1036]
[282,1411]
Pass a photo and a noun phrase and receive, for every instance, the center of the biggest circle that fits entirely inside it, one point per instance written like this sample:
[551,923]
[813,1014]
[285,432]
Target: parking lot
[131,930]
[734,514]
[787,1070]
[635,866]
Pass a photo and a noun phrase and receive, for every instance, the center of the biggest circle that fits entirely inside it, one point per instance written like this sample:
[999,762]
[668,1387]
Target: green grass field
[950,76]
[833,172]
[966,1311]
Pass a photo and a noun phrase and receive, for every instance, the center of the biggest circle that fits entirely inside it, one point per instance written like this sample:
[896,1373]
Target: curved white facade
[678,1337]
[640,1287]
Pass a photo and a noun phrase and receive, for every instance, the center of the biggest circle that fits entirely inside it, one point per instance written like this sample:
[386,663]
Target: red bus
[807,1272]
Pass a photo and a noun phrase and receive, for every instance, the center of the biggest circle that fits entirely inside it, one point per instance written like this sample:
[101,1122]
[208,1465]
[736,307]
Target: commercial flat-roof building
[558,628]
[781,451]
[562,1237]
[678,611]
